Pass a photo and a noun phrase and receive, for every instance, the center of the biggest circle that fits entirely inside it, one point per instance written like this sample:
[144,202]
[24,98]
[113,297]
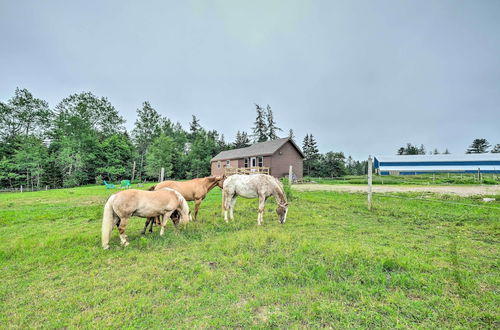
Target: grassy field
[408,263]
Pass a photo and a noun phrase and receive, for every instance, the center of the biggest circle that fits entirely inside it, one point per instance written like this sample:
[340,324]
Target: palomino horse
[125,204]
[192,190]
[253,186]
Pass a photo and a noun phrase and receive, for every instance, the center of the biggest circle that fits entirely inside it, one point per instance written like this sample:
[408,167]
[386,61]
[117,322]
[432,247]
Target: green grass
[423,179]
[407,263]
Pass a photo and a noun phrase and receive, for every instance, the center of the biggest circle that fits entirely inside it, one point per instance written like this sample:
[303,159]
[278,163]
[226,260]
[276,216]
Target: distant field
[426,179]
[408,263]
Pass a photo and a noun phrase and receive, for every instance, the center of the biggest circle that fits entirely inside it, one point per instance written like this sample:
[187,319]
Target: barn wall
[280,163]
[220,171]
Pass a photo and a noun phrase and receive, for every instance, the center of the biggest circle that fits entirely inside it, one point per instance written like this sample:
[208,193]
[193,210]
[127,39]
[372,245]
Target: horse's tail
[152,188]
[107,221]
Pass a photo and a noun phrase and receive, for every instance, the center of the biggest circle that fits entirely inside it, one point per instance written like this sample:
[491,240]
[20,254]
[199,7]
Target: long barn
[422,164]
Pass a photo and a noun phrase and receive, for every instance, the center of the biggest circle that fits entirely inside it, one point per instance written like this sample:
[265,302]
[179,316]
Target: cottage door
[253,162]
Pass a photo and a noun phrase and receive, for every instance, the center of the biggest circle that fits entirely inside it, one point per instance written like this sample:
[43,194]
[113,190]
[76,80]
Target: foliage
[160,155]
[147,127]
[260,129]
[411,150]
[478,146]
[495,149]
[24,114]
[287,188]
[116,157]
[241,140]
[311,153]
[272,129]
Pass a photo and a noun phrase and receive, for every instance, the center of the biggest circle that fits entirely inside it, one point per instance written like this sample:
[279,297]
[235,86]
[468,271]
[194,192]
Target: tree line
[478,146]
[82,140]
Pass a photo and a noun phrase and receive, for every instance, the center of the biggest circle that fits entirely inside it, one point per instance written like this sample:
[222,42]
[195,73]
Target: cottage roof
[259,149]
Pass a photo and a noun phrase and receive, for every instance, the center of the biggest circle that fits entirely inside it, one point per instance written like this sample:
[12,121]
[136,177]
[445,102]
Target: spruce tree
[241,140]
[496,149]
[272,129]
[435,152]
[446,152]
[291,135]
[194,125]
[260,128]
[478,146]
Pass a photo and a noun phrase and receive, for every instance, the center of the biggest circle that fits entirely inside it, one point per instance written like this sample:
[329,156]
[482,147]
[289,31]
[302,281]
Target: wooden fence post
[479,175]
[162,174]
[290,175]
[133,172]
[21,188]
[370,160]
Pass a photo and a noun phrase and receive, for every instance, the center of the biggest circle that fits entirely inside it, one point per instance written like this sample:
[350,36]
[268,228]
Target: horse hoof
[106,247]
[125,244]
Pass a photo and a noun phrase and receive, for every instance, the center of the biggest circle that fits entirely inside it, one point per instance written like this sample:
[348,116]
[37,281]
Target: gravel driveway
[457,190]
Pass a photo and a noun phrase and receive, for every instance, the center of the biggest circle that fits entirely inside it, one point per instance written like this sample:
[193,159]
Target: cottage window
[253,161]
[246,162]
[218,164]
[228,163]
[261,161]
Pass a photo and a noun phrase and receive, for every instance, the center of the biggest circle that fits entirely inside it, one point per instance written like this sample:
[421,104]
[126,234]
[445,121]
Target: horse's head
[220,181]
[282,210]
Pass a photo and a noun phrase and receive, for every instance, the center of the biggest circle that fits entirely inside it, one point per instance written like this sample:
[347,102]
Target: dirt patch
[455,190]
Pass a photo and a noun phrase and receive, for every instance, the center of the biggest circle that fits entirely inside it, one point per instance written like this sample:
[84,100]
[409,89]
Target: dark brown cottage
[273,157]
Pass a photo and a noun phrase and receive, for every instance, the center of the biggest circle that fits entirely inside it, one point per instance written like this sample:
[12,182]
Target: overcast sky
[364,77]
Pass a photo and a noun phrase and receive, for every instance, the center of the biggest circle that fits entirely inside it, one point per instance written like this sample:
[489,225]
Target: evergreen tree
[260,129]
[435,152]
[147,127]
[421,150]
[290,134]
[272,129]
[241,140]
[446,152]
[194,125]
[478,146]
[311,154]
[411,150]
[496,149]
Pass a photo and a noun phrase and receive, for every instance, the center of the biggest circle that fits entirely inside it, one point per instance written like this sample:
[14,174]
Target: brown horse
[192,190]
[146,204]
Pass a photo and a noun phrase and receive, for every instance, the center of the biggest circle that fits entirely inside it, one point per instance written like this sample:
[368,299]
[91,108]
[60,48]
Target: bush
[287,188]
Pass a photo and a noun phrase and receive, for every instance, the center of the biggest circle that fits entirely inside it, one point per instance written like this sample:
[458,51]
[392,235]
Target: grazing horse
[125,204]
[192,190]
[253,186]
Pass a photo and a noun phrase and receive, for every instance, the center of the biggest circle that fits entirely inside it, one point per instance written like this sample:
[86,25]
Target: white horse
[146,204]
[253,186]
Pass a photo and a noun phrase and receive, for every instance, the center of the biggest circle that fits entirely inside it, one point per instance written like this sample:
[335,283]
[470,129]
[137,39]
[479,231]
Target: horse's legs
[262,204]
[148,221]
[196,208]
[151,223]
[226,203]
[121,229]
[164,219]
[233,201]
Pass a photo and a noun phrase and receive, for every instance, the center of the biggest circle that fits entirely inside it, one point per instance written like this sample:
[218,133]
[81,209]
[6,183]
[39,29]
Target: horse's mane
[280,190]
